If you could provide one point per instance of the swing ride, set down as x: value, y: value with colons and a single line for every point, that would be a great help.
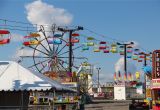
x: 4, y: 37
x: 51, y: 51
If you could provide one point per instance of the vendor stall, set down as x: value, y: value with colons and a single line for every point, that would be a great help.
x: 23, y: 88
x: 155, y: 83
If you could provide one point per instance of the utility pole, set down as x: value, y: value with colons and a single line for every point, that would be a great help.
x: 145, y: 64
x: 98, y: 89
x: 125, y: 55
x: 70, y: 43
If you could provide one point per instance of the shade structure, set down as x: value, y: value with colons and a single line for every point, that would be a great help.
x: 4, y: 32
x: 4, y: 36
x: 90, y: 38
x: 90, y: 43
x: 129, y: 51
x: 141, y: 56
x: 15, y: 77
x: 75, y: 35
x: 114, y: 50
x: 34, y: 35
x: 55, y: 41
x: 136, y: 51
x: 113, y: 45
x: 129, y: 56
x: 75, y: 40
x: 129, y: 46
x: 31, y: 42
x: 105, y: 51
x: 121, y: 46
x: 140, y: 60
x: 102, y: 47
x: 85, y: 48
x: 57, y: 35
x: 121, y: 52
x: 4, y: 41
x: 147, y: 70
x: 96, y: 50
x: 102, y: 42
x: 67, y: 44
x: 27, y: 37
x: 147, y: 58
x: 135, y: 57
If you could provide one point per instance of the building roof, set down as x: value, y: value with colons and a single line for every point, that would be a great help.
x: 15, y: 77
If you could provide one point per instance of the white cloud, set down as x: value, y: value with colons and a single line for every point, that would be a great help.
x: 42, y: 13
x: 106, y: 77
x: 135, y: 45
x: 119, y: 66
x: 22, y: 52
x: 16, y: 37
x: 39, y: 12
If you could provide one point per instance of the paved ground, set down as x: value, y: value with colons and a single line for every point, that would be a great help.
x: 107, y: 106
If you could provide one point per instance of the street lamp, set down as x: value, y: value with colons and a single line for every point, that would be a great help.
x: 98, y: 89
x: 145, y: 64
x: 125, y: 54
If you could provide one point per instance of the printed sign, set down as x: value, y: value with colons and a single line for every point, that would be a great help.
x: 70, y: 84
x: 148, y: 93
x: 155, y: 84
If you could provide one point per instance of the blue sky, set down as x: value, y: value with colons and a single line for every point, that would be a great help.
x: 126, y: 20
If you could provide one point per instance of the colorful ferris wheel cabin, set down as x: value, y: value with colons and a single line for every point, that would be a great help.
x: 90, y: 38
x: 4, y: 37
x: 57, y: 35
x: 75, y: 35
x: 34, y: 35
x: 90, y: 43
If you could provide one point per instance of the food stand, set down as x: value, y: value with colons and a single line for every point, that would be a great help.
x: 155, y: 82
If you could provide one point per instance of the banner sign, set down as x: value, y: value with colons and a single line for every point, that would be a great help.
x: 70, y: 84
x: 148, y: 93
x: 155, y: 84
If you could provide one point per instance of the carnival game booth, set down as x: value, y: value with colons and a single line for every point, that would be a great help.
x: 155, y: 82
x: 21, y: 88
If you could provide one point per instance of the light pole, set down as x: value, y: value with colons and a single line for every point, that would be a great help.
x: 98, y: 89
x: 145, y: 64
x: 125, y: 54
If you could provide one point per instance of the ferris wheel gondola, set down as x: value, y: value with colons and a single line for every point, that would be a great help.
x: 4, y: 37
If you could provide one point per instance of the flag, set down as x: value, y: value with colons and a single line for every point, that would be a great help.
x: 115, y: 78
x: 137, y: 75
x: 129, y: 77
x: 119, y: 75
x: 132, y: 77
x: 125, y: 76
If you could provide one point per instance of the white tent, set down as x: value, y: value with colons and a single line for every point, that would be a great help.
x: 15, y: 77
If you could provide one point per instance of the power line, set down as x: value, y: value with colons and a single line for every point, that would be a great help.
x: 104, y: 36
x: 30, y: 28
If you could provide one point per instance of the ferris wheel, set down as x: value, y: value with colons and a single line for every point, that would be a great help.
x: 51, y: 52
